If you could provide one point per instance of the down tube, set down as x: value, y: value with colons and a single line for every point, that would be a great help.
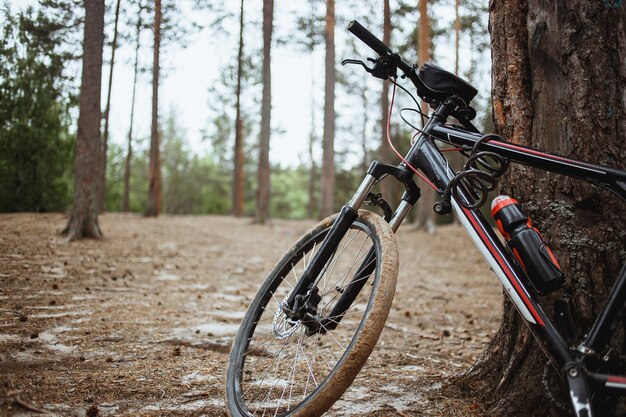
x: 494, y: 253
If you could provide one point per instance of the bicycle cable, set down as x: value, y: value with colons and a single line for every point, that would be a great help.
x: 419, y: 174
x: 480, y: 173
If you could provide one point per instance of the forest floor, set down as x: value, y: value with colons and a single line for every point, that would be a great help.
x: 140, y: 323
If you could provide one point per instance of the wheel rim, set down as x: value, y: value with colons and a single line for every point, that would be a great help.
x: 282, y: 367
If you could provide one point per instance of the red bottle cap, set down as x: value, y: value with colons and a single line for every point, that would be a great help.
x: 501, y: 201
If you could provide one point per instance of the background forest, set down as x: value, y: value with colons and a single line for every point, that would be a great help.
x: 40, y: 53
x: 243, y: 109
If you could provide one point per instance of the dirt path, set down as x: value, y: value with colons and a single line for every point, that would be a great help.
x: 140, y: 324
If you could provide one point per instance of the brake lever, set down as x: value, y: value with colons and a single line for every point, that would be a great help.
x: 384, y: 67
x: 359, y: 62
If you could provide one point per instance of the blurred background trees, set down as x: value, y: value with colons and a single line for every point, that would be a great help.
x: 36, y: 96
x: 40, y: 84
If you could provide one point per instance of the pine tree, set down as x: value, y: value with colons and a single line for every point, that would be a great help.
x: 554, y: 65
x: 35, y: 98
x: 105, y: 135
x: 238, y: 153
x: 129, y: 147
x: 153, y: 207
x: 263, y: 190
x: 327, y: 197
x: 83, y: 220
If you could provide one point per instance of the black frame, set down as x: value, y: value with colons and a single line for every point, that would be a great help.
x: 426, y: 156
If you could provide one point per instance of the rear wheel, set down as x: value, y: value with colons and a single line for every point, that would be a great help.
x: 279, y: 366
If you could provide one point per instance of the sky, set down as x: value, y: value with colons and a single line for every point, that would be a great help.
x: 189, y: 72
x: 184, y: 90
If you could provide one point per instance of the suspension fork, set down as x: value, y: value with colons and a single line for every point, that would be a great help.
x: 356, y: 284
x: 346, y: 217
x: 349, y: 212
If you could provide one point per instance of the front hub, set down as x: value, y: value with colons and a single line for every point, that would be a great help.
x: 304, y: 311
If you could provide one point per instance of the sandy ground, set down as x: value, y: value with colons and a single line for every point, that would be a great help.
x: 140, y: 324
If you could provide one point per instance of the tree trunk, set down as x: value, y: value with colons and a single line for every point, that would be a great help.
x: 263, y: 191
x: 154, y: 187
x: 558, y: 85
x: 327, y: 197
x: 129, y: 154
x: 385, y: 152
x: 457, y: 33
x: 83, y: 220
x: 311, y: 205
x: 455, y: 158
x: 238, y: 154
x: 426, y: 215
x: 105, y: 136
x: 365, y: 161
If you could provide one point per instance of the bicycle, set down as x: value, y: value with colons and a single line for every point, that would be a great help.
x: 319, y: 314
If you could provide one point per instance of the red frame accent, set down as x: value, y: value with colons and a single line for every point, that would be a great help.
x: 616, y: 379
x: 538, y: 153
x: 503, y: 265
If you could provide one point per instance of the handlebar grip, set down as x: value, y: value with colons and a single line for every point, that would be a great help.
x: 368, y: 38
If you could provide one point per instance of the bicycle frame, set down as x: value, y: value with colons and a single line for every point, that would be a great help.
x: 425, y: 155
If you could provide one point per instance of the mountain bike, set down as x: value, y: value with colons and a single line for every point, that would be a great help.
x: 319, y: 313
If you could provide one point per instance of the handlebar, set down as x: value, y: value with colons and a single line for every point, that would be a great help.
x: 368, y: 38
x: 383, y: 50
x: 388, y: 61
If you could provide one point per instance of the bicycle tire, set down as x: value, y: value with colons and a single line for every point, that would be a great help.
x: 245, y: 386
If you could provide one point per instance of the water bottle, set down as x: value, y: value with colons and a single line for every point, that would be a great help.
x: 527, y: 245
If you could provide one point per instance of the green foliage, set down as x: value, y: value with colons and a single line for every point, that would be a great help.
x: 36, y: 148
x: 289, y: 192
x: 191, y: 184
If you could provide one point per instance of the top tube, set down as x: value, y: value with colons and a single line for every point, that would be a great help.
x: 610, y: 178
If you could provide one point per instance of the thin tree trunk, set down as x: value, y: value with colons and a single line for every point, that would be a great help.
x: 313, y: 169
x: 83, y: 220
x: 327, y: 197
x: 238, y: 174
x: 385, y: 152
x: 426, y: 215
x: 558, y: 85
x: 154, y: 187
x: 457, y: 35
x: 105, y: 136
x: 129, y: 154
x: 263, y: 191
x: 455, y: 158
x: 312, y: 185
x: 364, y: 132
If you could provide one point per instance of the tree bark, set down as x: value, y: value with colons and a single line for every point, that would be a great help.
x: 312, y: 203
x: 457, y: 33
x: 238, y: 154
x: 105, y: 136
x: 129, y: 153
x: 559, y: 76
x: 426, y: 215
x: 154, y: 186
x: 83, y: 220
x: 455, y: 158
x: 263, y: 191
x: 327, y: 197
x: 385, y: 152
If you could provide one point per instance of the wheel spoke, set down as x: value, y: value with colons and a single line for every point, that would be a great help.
x: 279, y: 366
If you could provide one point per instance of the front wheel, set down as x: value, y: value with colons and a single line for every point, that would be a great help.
x: 280, y: 366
